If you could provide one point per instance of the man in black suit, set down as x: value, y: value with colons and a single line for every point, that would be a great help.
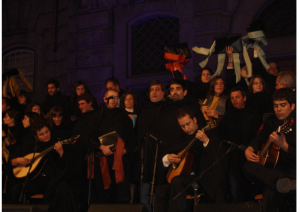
x: 206, y: 150
x: 278, y: 181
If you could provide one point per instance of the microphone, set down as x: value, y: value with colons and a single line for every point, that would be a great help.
x: 240, y: 147
x: 111, y: 97
x: 154, y: 138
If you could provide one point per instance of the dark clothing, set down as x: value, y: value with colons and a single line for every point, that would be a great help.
x: 114, y: 120
x: 212, y: 182
x: 146, y: 120
x: 231, y: 80
x: 170, y: 133
x: 201, y: 90
x: 55, y: 171
x: 85, y: 126
x: 62, y: 131
x: 261, y: 102
x: 58, y: 99
x: 239, y: 126
x: 286, y: 166
x: 270, y: 80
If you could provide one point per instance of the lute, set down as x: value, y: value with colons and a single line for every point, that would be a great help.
x: 270, y: 151
x: 185, y: 165
x: 38, y: 161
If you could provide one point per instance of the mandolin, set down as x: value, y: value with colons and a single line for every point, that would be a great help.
x: 38, y: 161
x: 185, y: 165
x: 270, y: 151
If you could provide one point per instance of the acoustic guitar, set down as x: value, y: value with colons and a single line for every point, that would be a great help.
x: 185, y: 165
x: 38, y: 161
x: 270, y: 151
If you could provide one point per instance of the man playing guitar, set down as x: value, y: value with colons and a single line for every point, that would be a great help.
x: 281, y: 179
x: 205, y: 155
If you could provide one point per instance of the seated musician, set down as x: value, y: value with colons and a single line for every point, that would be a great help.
x: 211, y: 183
x: 53, y: 179
x: 278, y: 181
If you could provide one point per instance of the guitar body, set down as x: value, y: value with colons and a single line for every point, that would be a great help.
x: 21, y: 171
x: 270, y: 158
x: 270, y: 151
x: 182, y: 168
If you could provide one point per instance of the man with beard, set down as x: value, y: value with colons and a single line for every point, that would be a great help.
x: 206, y: 150
x: 167, y: 129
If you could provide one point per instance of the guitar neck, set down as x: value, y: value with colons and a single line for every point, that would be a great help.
x: 188, y: 148
x: 46, y: 151
x: 43, y: 153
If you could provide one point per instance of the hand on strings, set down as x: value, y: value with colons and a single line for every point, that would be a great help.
x: 251, y: 156
x: 202, y: 136
x: 23, y: 161
x: 124, y: 151
x: 59, y: 149
x: 279, y: 140
x: 106, y: 149
x: 172, y: 158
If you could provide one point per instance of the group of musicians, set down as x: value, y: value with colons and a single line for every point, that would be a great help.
x: 220, y: 131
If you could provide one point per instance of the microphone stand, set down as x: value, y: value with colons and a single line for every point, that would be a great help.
x: 199, y: 177
x: 144, y: 151
x: 90, y: 155
x: 152, y: 200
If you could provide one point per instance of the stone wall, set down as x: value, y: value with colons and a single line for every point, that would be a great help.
x: 92, y: 37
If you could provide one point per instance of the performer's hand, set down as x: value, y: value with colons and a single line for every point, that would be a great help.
x: 279, y: 140
x: 204, y: 109
x: 172, y: 158
x: 251, y: 156
x: 202, y: 136
x: 59, y: 149
x: 23, y: 161
x: 200, y: 102
x: 124, y: 151
x: 106, y: 149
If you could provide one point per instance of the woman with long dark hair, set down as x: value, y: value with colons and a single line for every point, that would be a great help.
x: 215, y: 104
x: 203, y: 83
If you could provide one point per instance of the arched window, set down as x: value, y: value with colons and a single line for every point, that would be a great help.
x: 22, y: 59
x: 149, y: 36
x: 279, y: 18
